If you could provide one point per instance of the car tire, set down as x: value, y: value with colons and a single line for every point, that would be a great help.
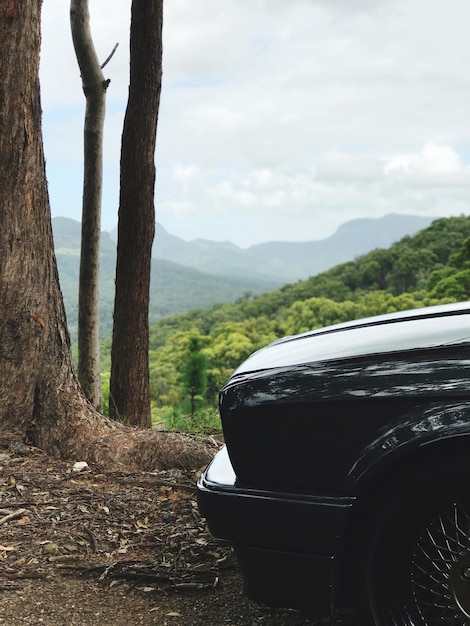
x: 416, y: 567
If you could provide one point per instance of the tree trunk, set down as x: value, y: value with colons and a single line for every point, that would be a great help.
x: 40, y: 398
x: 94, y: 88
x: 33, y: 333
x: 129, y: 397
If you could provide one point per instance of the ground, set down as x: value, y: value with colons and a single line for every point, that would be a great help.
x: 79, y: 547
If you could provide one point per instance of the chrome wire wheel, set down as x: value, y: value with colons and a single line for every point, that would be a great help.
x: 416, y: 565
x: 440, y: 567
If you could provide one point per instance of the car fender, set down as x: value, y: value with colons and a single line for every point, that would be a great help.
x: 419, y: 428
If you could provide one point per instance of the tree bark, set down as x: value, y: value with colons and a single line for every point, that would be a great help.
x: 94, y: 88
x: 129, y: 398
x: 32, y: 321
x: 40, y: 398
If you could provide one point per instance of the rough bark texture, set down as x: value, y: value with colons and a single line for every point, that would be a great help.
x: 40, y: 398
x: 94, y: 88
x: 32, y: 321
x: 129, y: 388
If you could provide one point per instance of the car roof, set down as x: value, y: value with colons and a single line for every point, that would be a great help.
x: 428, y: 327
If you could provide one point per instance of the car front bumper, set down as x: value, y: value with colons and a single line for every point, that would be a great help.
x: 286, y: 543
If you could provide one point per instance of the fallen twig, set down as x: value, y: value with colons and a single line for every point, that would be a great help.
x: 11, y: 516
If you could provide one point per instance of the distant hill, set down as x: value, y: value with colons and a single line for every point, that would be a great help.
x: 287, y: 261
x: 197, y: 274
x: 351, y: 240
x: 174, y: 288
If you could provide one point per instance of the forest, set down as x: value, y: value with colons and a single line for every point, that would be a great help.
x: 192, y: 354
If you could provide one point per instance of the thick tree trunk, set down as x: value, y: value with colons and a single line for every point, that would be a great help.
x: 40, y: 398
x: 33, y: 333
x: 94, y: 88
x: 129, y: 398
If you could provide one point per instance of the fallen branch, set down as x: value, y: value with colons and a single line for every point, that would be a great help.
x: 11, y: 516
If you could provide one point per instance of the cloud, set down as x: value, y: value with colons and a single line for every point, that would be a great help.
x: 279, y: 119
x: 433, y: 166
x: 352, y: 166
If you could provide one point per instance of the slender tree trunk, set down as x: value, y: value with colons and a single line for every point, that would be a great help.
x: 94, y: 88
x: 129, y: 387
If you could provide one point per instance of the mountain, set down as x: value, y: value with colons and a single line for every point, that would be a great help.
x: 199, y: 273
x: 351, y: 240
x: 211, y: 257
x: 287, y: 261
x: 173, y: 289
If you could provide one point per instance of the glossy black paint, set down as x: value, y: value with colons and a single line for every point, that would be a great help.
x: 329, y: 419
x: 311, y: 421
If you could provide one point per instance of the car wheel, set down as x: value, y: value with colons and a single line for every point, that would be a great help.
x: 417, y: 571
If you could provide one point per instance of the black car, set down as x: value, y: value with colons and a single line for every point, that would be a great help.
x: 345, y: 480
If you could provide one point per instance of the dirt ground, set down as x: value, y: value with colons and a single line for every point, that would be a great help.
x: 84, y: 548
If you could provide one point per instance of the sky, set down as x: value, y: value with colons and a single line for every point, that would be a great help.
x: 279, y: 119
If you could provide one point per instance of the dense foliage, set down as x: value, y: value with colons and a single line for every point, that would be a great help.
x: 429, y: 268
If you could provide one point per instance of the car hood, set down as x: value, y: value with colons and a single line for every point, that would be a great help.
x: 422, y: 329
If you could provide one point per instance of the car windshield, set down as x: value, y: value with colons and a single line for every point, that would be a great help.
x: 362, y: 340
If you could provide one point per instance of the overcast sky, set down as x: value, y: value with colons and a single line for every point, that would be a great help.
x: 279, y: 119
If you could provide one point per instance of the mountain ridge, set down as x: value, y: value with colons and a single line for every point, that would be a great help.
x: 201, y: 273
x: 286, y: 260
